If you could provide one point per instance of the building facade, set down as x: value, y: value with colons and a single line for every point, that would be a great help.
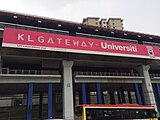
x: 113, y: 23
x: 93, y: 21
x: 49, y: 66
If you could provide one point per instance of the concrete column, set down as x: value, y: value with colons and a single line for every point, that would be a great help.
x: 68, y: 108
x: 149, y: 98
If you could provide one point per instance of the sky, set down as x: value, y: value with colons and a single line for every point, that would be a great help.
x: 138, y: 15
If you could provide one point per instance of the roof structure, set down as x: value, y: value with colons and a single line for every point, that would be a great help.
x: 44, y: 22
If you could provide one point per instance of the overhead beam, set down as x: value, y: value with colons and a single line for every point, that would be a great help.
x: 108, y: 79
x: 17, y: 78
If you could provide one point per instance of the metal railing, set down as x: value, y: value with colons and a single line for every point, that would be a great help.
x: 54, y: 72
x: 106, y: 73
x: 111, y: 74
x: 154, y: 75
x: 29, y: 72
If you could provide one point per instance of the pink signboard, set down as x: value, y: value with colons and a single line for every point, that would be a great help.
x: 18, y: 38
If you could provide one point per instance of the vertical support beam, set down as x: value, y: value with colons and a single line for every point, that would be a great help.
x: 148, y: 94
x: 88, y: 96
x: 102, y: 96
x: 112, y: 98
x: 29, y: 101
x: 40, y: 105
x: 137, y: 93
x: 119, y: 97
x: 129, y: 96
x: 158, y: 89
x: 1, y: 62
x: 50, y: 101
x: 84, y: 95
x: 123, y: 97
x: 155, y: 89
x: 54, y: 103
x: 68, y: 109
x: 99, y: 94
x: 80, y: 97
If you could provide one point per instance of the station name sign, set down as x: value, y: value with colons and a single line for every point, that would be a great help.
x: 27, y: 39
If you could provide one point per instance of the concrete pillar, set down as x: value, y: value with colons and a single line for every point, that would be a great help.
x: 68, y: 108
x: 149, y: 98
x: 29, y: 101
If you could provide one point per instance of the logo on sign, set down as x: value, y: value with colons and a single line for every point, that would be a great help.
x: 150, y: 51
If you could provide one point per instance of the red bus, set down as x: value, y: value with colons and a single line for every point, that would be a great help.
x: 115, y: 112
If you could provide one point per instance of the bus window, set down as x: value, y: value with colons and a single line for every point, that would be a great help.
x: 124, y: 114
x: 151, y: 113
x: 142, y: 114
x: 137, y: 114
x: 102, y: 114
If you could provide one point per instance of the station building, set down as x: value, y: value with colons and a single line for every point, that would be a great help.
x: 49, y: 66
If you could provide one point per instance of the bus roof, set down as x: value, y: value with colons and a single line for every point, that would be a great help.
x: 127, y: 106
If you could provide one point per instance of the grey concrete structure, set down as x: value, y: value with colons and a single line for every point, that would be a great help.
x: 148, y: 93
x: 75, y: 77
x: 68, y: 109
